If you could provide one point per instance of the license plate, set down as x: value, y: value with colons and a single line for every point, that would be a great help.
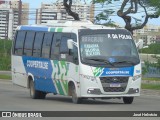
x: 115, y: 85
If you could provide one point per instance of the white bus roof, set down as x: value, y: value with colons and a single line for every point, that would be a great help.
x: 64, y: 24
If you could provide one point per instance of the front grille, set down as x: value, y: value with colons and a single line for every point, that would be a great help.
x: 114, y: 84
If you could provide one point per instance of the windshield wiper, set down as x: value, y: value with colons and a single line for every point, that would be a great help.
x: 100, y: 60
x: 129, y: 62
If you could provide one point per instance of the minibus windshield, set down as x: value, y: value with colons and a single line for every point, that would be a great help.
x: 113, y: 49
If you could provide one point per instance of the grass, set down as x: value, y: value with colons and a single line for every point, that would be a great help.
x: 152, y: 79
x: 6, y: 77
x: 151, y: 86
x: 5, y: 54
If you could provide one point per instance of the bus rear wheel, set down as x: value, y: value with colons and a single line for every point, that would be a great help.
x: 75, y: 99
x: 128, y: 100
x: 35, y: 94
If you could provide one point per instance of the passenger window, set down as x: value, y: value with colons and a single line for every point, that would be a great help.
x: 29, y: 43
x: 56, y: 46
x: 47, y: 45
x: 38, y: 44
x: 19, y: 42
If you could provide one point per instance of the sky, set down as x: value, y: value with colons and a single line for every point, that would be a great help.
x: 37, y: 3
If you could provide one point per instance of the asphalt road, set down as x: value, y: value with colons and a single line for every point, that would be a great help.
x: 15, y: 98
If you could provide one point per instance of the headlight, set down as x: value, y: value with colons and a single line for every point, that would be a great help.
x: 136, y: 77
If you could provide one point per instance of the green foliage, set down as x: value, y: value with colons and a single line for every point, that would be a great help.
x: 149, y: 4
x: 151, y: 86
x: 152, y: 49
x: 146, y: 67
x: 151, y: 79
x: 5, y: 54
x: 102, y: 1
x: 155, y: 3
x: 104, y: 15
x: 144, y: 70
x: 110, y: 24
x: 7, y: 77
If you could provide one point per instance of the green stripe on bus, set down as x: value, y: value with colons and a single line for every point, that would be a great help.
x: 60, y: 89
x: 64, y: 66
x: 59, y: 29
x: 52, y: 29
x: 56, y: 65
x: 64, y: 83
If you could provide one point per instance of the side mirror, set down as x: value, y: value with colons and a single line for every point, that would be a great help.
x: 70, y: 44
x: 139, y: 44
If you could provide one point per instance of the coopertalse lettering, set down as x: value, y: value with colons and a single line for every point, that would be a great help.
x: 117, y: 72
x: 37, y: 64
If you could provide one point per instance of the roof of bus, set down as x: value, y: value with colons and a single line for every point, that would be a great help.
x: 58, y: 26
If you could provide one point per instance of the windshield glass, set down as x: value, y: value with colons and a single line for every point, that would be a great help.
x: 111, y: 49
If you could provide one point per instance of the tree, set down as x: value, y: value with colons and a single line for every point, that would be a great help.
x: 152, y: 49
x: 68, y: 9
x: 129, y: 7
x: 134, y: 4
x: 101, y: 16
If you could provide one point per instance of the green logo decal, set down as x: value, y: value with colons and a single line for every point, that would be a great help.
x: 97, y: 71
x: 60, y: 71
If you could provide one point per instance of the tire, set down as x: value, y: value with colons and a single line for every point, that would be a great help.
x: 128, y: 100
x: 75, y: 99
x: 35, y: 94
x: 42, y: 95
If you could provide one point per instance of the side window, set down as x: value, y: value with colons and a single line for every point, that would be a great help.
x: 19, y: 42
x: 38, y: 44
x: 73, y: 54
x: 55, y: 49
x: 74, y: 37
x: 63, y: 46
x: 28, y: 45
x: 74, y: 51
x: 63, y: 43
x: 47, y: 45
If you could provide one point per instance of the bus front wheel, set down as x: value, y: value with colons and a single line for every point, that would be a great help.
x: 128, y: 100
x: 35, y: 94
x: 75, y: 99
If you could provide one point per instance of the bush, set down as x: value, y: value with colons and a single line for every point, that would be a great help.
x: 152, y: 49
x: 5, y: 54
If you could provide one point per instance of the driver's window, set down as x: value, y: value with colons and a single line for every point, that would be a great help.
x: 73, y: 54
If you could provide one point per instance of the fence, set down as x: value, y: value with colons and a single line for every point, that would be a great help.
x: 150, y: 70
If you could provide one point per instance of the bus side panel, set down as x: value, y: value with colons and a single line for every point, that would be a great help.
x: 41, y: 69
x: 19, y: 76
x: 63, y: 72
